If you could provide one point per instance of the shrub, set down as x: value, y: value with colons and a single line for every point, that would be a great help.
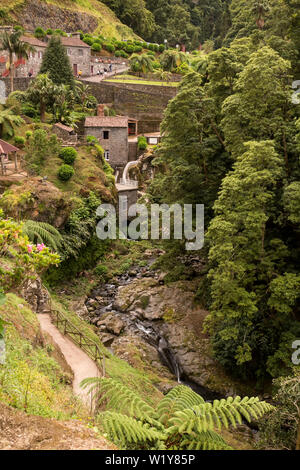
x: 28, y: 135
x: 122, y: 54
x: 88, y: 40
x: 39, y: 32
x: 68, y: 155
x: 129, y: 49
x: 59, y: 32
x: 142, y: 143
x: 91, y: 140
x: 29, y: 110
x: 20, y: 141
x: 65, y: 172
x: 161, y: 48
x: 109, y: 47
x: 49, y: 31
x: 96, y: 47
x: 100, y: 150
x: 100, y: 270
x: 137, y: 49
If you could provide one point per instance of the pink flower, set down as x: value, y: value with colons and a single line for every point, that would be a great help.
x: 40, y: 246
x: 29, y: 248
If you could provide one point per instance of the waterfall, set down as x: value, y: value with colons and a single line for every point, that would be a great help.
x: 169, y: 359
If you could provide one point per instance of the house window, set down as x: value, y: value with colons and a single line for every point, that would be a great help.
x: 69, y: 51
x: 105, y: 135
x: 106, y: 155
x: 80, y: 52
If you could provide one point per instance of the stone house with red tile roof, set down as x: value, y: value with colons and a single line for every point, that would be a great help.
x: 78, y: 52
x: 112, y: 134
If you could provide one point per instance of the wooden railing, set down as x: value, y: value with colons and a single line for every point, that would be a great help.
x: 89, y: 346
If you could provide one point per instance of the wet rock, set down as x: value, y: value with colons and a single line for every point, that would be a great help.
x: 107, y: 339
x: 113, y: 324
x: 36, y: 295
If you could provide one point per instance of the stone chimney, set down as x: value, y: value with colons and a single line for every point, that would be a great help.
x: 100, y: 110
x: 75, y: 35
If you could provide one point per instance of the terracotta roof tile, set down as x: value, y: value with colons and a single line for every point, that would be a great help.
x: 33, y: 41
x: 73, y: 42
x: 106, y: 121
x: 63, y: 127
x: 8, y: 148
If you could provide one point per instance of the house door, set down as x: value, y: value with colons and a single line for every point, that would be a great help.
x: 75, y: 69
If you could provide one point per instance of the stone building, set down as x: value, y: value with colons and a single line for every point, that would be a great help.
x: 112, y: 133
x: 78, y: 52
x: 65, y: 133
x: 25, y: 68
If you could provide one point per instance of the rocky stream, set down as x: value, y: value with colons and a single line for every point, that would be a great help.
x: 162, y: 322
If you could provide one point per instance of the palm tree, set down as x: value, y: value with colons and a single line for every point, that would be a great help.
x: 12, y: 43
x: 172, y: 59
x: 141, y: 63
x: 42, y: 92
x: 8, y: 120
x: 163, y: 75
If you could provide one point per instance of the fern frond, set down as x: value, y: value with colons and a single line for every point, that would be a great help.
x: 41, y: 232
x: 225, y: 412
x: 209, y: 440
x: 179, y: 398
x: 120, y: 398
x: 126, y: 430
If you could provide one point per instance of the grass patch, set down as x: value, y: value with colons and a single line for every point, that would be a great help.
x: 30, y: 379
x: 108, y: 23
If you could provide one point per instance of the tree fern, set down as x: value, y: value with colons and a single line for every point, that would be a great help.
x: 120, y: 398
x: 179, y: 398
x: 41, y: 232
x: 182, y: 421
x: 125, y: 431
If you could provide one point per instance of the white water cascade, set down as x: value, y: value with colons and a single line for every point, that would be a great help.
x: 125, y: 179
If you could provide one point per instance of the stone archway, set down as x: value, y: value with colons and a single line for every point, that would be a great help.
x: 2, y: 92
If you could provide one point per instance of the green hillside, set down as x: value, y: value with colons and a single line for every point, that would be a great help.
x: 86, y: 15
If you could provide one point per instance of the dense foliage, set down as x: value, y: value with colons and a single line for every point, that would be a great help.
x: 231, y: 141
x: 182, y: 420
x: 56, y: 63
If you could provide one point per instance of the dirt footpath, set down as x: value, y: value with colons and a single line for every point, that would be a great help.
x: 82, y: 366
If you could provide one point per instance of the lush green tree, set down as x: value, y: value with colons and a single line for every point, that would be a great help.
x: 171, y: 59
x: 42, y: 92
x: 141, y: 63
x: 135, y: 15
x: 261, y: 107
x: 56, y: 63
x: 13, y: 44
x: 280, y: 430
x: 192, y: 153
x: 246, y: 258
x: 38, y: 148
